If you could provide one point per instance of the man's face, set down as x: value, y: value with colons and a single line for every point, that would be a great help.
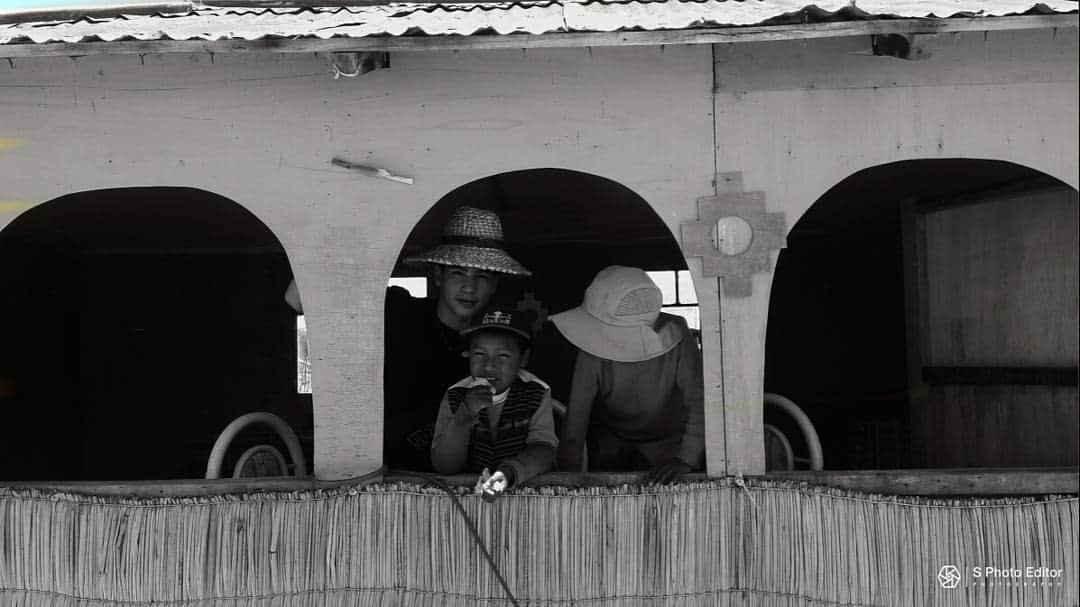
x: 496, y: 356
x: 465, y: 291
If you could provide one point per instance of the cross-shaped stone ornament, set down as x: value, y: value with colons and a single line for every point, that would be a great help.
x: 734, y: 236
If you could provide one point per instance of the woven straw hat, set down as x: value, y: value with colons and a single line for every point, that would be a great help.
x: 617, y: 319
x: 472, y: 238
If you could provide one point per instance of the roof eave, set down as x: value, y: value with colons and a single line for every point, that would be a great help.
x: 713, y: 35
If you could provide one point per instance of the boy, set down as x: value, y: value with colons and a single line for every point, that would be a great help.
x: 500, y: 417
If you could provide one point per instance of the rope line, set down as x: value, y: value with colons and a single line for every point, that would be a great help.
x: 471, y: 525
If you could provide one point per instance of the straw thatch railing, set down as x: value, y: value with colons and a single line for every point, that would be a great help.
x: 719, y: 542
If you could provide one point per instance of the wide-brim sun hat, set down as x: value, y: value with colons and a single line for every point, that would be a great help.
x: 473, y: 238
x: 617, y: 319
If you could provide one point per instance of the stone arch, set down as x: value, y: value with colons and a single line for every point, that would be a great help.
x: 540, y: 221
x: 844, y: 308
x: 141, y: 321
x: 1020, y: 160
x: 563, y: 224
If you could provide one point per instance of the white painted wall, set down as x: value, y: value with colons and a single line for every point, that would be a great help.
x: 261, y: 129
x: 795, y: 118
x: 798, y: 117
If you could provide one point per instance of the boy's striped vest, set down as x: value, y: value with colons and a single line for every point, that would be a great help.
x: 487, y: 451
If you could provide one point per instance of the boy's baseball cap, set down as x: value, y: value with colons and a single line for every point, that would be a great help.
x: 504, y: 318
x: 618, y: 319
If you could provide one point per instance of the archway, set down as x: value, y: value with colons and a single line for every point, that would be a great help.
x: 138, y: 323
x: 564, y: 226
x: 862, y: 335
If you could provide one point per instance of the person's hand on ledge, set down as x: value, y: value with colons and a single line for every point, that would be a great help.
x: 667, y: 472
x: 492, y: 485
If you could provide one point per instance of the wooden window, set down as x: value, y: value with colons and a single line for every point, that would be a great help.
x: 303, y: 357
x: 680, y: 299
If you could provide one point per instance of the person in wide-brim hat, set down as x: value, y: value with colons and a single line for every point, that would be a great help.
x: 636, y: 395
x: 618, y: 319
x: 473, y: 238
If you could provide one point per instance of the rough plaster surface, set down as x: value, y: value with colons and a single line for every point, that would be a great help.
x: 794, y: 117
x: 262, y: 129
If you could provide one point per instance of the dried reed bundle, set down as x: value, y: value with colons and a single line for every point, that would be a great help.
x: 708, y: 543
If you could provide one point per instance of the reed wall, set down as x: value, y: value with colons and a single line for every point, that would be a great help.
x: 710, y: 543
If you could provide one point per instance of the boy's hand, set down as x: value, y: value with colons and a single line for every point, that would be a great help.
x: 477, y: 398
x: 494, y: 485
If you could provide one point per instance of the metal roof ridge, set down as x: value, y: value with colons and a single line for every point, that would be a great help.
x: 691, y: 21
x: 74, y: 14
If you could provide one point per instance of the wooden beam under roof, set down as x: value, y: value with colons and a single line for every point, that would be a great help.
x: 804, y: 31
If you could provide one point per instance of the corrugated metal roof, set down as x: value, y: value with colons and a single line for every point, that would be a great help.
x: 527, y: 17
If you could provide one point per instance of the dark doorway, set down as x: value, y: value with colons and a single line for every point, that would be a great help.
x: 845, y: 330
x: 137, y: 323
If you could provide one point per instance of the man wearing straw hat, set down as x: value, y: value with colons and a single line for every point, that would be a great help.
x: 637, y: 391
x: 424, y: 346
